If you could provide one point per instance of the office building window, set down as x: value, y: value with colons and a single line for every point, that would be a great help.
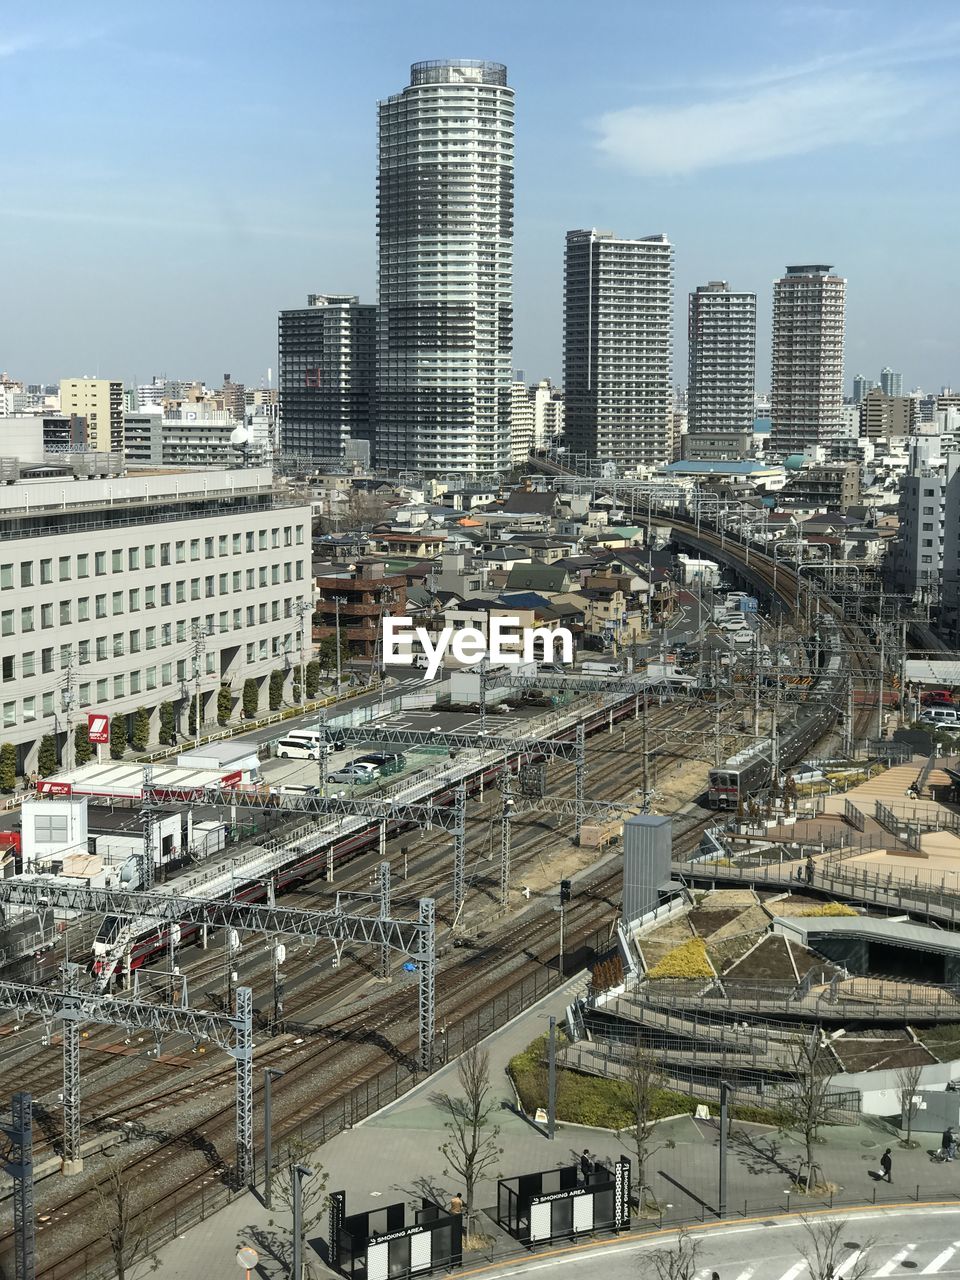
x: 83, y: 566
x: 133, y: 558
x: 237, y: 619
x: 181, y: 592
x: 151, y: 637
x: 101, y: 606
x: 46, y: 703
x: 134, y: 681
x: 223, y: 544
x: 164, y: 553
x: 299, y: 535
x: 263, y: 575
x: 83, y: 652
x: 118, y: 646
x: 118, y: 686
x: 46, y: 615
x: 236, y: 543
x: 99, y: 563
x: 151, y: 677
x: 102, y: 690
x: 135, y: 600
x: 63, y: 568
x: 134, y: 641
x: 85, y: 693
x: 29, y: 709
x: 46, y: 661
x: 165, y: 593
x: 26, y: 574
x: 6, y: 668
x: 46, y: 572
x: 149, y: 597
x: 66, y: 656
x: 149, y: 557
x: 194, y: 548
x: 287, y: 536
x: 101, y: 648
x: 166, y: 634
x: 210, y: 586
x: 166, y: 673
x: 28, y: 664
x: 208, y: 548
x: 117, y: 602
x: 181, y: 550
x: 237, y: 581
x: 26, y: 618
x: 274, y: 538
x: 194, y: 588
x: 83, y: 609
x: 10, y: 715
x: 64, y: 613
x: 116, y: 558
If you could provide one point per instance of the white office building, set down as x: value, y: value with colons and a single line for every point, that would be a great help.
x: 135, y: 591
x: 722, y: 347
x: 445, y: 227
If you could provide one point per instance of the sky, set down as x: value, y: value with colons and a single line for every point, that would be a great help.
x: 174, y: 175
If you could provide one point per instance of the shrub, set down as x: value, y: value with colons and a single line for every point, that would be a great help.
x: 141, y: 729
x: 689, y: 960
x: 312, y: 677
x: 826, y: 909
x: 83, y: 748
x: 168, y: 722
x: 47, y: 755
x: 224, y: 704
x: 118, y: 737
x: 251, y: 698
x: 275, y: 689
x: 8, y: 767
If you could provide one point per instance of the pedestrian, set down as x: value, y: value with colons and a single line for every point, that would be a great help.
x: 949, y: 1143
x: 586, y: 1164
x: 456, y: 1203
x: 809, y: 871
x: 886, y: 1164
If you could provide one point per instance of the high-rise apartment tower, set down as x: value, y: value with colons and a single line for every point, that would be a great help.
x: 807, y: 377
x: 722, y: 333
x: 618, y: 346
x: 445, y: 225
x: 327, y: 364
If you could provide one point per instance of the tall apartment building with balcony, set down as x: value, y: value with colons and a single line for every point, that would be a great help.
x: 617, y: 348
x: 807, y: 375
x: 103, y: 584
x: 722, y: 347
x: 445, y: 233
x: 327, y: 374
x: 100, y: 401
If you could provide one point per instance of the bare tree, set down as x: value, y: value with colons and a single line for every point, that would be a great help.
x: 825, y: 1250
x: 678, y: 1263
x: 471, y: 1149
x: 313, y: 1200
x: 908, y: 1082
x: 806, y: 1106
x: 644, y: 1080
x: 127, y: 1231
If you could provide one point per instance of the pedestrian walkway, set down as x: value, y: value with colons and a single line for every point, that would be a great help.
x: 394, y: 1156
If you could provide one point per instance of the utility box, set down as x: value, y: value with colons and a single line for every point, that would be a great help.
x: 647, y: 853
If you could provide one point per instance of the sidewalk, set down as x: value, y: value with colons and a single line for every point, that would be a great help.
x: 390, y: 1156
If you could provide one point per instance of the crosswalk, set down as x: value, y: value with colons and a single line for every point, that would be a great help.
x: 881, y: 1262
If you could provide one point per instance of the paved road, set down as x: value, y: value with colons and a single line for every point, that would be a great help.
x: 887, y: 1243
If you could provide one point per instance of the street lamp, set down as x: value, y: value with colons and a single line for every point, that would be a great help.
x: 298, y: 1173
x: 270, y: 1074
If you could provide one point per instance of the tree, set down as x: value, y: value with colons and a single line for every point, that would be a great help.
x: 168, y: 722
x: 680, y: 1262
x: 275, y: 689
x: 808, y: 1086
x: 312, y: 677
x: 327, y: 652
x: 141, y: 729
x: 908, y: 1082
x: 118, y: 737
x: 825, y: 1251
x: 82, y: 746
x: 224, y: 704
x: 471, y: 1149
x: 644, y: 1080
x: 47, y: 755
x: 127, y: 1231
x: 192, y: 717
x: 8, y: 767
x: 251, y: 698
x: 313, y: 1199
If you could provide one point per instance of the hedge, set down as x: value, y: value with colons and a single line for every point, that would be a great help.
x: 827, y: 909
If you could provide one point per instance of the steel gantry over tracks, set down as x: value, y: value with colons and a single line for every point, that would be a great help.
x: 232, y: 1033
x: 414, y: 938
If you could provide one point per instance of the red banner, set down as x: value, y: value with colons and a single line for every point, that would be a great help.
x: 55, y: 788
x: 98, y: 727
x: 231, y: 779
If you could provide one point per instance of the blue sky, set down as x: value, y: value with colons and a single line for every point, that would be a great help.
x: 175, y: 174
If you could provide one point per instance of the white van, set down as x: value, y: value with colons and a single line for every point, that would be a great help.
x: 940, y: 717
x: 313, y: 738
x: 296, y: 749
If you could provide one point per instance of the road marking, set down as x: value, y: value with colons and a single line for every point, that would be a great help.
x: 745, y: 1275
x: 940, y: 1260
x: 795, y: 1270
x: 847, y: 1263
x: 889, y: 1267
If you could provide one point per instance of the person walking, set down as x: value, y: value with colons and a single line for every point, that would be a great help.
x: 949, y: 1143
x: 586, y: 1164
x: 886, y: 1165
x: 456, y: 1203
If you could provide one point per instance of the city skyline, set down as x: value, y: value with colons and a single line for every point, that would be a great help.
x: 596, y: 146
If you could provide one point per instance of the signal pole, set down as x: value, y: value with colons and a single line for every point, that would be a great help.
x: 302, y: 608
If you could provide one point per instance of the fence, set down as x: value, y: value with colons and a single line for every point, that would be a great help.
x: 854, y: 816
x: 189, y: 1205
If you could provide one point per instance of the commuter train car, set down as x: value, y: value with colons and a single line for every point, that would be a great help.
x: 750, y: 770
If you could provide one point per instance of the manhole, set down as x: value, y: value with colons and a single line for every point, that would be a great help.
x: 912, y: 1266
x: 868, y: 1142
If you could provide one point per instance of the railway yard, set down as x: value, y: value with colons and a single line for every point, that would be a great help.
x: 342, y: 1018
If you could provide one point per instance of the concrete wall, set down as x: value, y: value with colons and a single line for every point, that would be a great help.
x: 647, y: 849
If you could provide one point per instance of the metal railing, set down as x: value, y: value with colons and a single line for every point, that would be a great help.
x: 854, y: 816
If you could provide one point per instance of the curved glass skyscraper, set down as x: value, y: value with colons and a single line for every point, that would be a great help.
x: 445, y: 224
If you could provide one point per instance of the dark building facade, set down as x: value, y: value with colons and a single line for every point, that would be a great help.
x: 327, y: 375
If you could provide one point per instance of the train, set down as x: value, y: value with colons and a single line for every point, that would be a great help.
x: 145, y: 939
x: 750, y: 770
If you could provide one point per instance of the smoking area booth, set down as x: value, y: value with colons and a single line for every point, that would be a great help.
x: 560, y: 1203
x: 381, y: 1245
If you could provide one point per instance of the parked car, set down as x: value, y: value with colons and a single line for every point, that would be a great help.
x: 297, y: 749
x: 936, y: 697
x: 385, y: 763
x: 314, y: 738
x: 356, y: 772
x: 940, y: 717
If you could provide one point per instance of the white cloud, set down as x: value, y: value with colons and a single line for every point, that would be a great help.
x: 862, y: 99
